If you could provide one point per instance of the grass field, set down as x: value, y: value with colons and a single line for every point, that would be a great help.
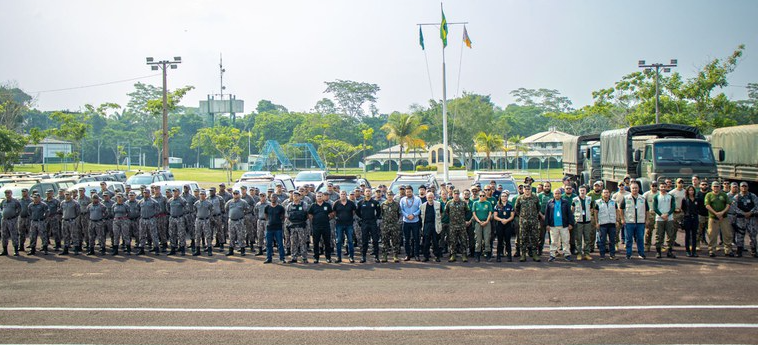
x: 205, y: 175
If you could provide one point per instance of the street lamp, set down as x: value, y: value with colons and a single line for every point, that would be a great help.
x: 155, y: 65
x: 666, y: 68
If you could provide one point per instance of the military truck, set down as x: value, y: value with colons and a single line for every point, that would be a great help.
x: 736, y: 148
x: 654, y: 153
x: 581, y: 159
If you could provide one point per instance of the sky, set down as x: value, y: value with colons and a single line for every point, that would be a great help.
x: 285, y: 50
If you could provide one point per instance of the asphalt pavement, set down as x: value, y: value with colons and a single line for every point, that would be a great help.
x: 239, y: 300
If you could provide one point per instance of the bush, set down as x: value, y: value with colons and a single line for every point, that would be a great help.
x: 426, y: 168
x: 457, y: 168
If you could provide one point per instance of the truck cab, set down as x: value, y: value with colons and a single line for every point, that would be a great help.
x: 674, y: 158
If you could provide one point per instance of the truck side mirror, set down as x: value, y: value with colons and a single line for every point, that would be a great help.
x: 636, y: 157
x: 721, y: 155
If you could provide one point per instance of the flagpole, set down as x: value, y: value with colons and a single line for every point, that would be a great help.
x: 445, y: 126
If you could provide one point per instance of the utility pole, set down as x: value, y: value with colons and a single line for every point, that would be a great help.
x: 657, y: 66
x: 444, y: 24
x: 155, y: 65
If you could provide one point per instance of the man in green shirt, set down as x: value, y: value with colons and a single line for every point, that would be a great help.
x: 483, y: 212
x: 594, y: 195
x: 718, y: 204
x: 543, y: 199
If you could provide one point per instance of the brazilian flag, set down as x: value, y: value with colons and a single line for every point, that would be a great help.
x: 444, y: 30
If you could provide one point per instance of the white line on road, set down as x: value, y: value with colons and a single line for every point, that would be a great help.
x: 379, y: 310
x: 383, y: 328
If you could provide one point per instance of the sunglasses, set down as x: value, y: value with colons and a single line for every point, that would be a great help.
x: 482, y: 195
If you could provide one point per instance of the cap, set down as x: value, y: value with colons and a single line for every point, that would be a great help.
x: 203, y: 191
x: 142, y: 186
x: 118, y: 195
x: 213, y: 189
x: 403, y: 186
x: 66, y: 193
x: 654, y: 184
x: 127, y: 186
x: 296, y: 193
x: 329, y: 184
x: 186, y: 186
x: 235, y: 191
x: 270, y: 190
x: 390, y: 192
x: 35, y: 195
x: 456, y: 191
x: 243, y: 187
x: 96, y: 197
x: 26, y: 190
x: 734, y: 184
x: 177, y: 189
x: 222, y: 185
x: 744, y: 184
x: 527, y: 178
x: 565, y: 178
x: 679, y: 179
x: 715, y: 183
x: 132, y: 193
x: 49, y: 191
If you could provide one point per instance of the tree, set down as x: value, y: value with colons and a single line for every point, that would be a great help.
x: 266, y: 106
x: 11, y: 146
x: 73, y: 127
x: 517, y: 147
x: 337, y: 150
x: 488, y: 143
x: 404, y: 129
x: 325, y: 106
x: 223, y: 141
x: 14, y: 103
x: 158, y: 140
x: 367, y: 134
x: 352, y: 95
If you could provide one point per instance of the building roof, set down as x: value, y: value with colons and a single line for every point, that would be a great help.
x: 550, y: 136
x: 393, y: 151
x: 51, y: 141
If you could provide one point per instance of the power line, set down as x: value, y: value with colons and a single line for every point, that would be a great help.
x: 96, y: 85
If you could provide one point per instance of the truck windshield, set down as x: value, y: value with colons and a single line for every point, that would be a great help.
x: 595, y: 155
x: 683, y: 153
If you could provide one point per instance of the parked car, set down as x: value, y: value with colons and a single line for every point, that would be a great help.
x: 113, y: 186
x: 414, y: 180
x: 265, y: 182
x: 315, y: 177
x: 144, y: 179
x: 164, y: 185
x: 15, y: 188
x: 254, y: 174
x: 41, y: 186
x: 345, y: 182
x: 118, y: 175
x: 503, y: 178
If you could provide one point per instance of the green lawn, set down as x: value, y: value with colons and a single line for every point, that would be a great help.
x: 208, y: 176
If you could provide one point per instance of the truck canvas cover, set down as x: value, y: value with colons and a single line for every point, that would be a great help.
x: 572, y: 155
x: 739, y: 143
x: 617, y: 144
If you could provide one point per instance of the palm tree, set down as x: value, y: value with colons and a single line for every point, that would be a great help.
x: 404, y: 129
x: 487, y: 143
x: 516, y: 142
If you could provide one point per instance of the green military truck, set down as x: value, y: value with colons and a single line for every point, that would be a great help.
x: 736, y: 148
x: 581, y: 159
x: 655, y: 153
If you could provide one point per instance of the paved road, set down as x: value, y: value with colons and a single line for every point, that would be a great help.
x: 219, y: 300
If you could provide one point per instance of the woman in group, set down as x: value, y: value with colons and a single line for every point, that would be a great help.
x: 690, y: 221
x: 504, y: 216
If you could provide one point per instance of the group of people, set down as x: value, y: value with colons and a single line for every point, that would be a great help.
x: 428, y: 224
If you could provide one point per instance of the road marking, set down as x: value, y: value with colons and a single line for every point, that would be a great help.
x: 383, y: 328
x: 378, y: 310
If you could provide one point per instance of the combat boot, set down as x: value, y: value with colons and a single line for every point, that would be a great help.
x: 395, y: 259
x: 32, y: 250
x: 15, y: 251
x: 508, y: 257
x: 192, y: 246
x: 173, y: 251
x: 196, y: 251
x: 384, y: 257
x: 488, y: 256
x: 128, y: 249
x: 363, y: 259
x: 464, y: 258
x: 57, y: 246
x: 44, y: 250
x: 242, y: 251
x: 536, y: 257
x: 91, y: 250
x: 77, y: 249
x: 209, y: 250
x: 740, y: 252
x: 115, y: 250
x: 517, y: 253
x: 658, y: 253
x: 498, y: 257
x: 477, y: 256
x: 670, y: 254
x: 65, y: 251
x: 102, y: 250
x: 164, y: 248
x: 157, y: 250
x: 231, y: 251
x: 141, y: 251
x: 181, y: 251
x: 5, y: 251
x: 452, y: 258
x: 221, y: 247
x: 21, y: 246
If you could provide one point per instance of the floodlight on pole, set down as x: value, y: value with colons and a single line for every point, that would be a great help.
x: 666, y: 68
x: 155, y: 65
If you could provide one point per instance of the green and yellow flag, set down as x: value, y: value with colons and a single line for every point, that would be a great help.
x: 421, y: 37
x: 444, y: 29
x: 467, y: 41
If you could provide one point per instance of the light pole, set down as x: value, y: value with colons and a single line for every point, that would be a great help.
x: 657, y: 67
x: 155, y: 65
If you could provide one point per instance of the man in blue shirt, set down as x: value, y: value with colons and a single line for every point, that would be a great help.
x: 559, y: 220
x: 410, y: 210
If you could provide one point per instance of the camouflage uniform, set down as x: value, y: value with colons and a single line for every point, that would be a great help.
x: 189, y: 215
x: 217, y: 219
x: 250, y: 221
x: 23, y: 221
x: 148, y: 213
x: 235, y: 210
x: 390, y: 228
x: 161, y: 220
x: 177, y: 228
x: 650, y: 218
x: 296, y: 214
x: 108, y: 221
x: 203, y: 213
x: 457, y: 212
x: 121, y: 226
x: 221, y: 236
x: 260, y: 224
x: 69, y: 227
x: 84, y: 219
x: 134, y: 220
x: 53, y: 221
x: 745, y: 203
x: 97, y: 213
x: 37, y: 226
x: 528, y: 209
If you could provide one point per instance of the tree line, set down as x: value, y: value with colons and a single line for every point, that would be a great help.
x: 347, y: 126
